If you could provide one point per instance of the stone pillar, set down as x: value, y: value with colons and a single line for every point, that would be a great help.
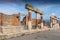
x: 29, y: 20
x: 41, y: 21
x: 0, y: 19
x: 55, y: 23
x: 26, y: 20
x: 36, y: 21
x: 51, y: 22
x: 58, y: 23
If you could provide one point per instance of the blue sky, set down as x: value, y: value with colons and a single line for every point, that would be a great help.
x: 50, y: 7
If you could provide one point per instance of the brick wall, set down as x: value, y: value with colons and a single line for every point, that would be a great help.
x: 9, y: 19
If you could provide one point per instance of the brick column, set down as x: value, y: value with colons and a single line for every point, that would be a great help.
x: 36, y: 21
x: 29, y: 20
x: 41, y: 21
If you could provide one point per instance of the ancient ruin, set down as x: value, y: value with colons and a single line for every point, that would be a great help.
x: 30, y: 9
x: 13, y: 20
x: 54, y: 22
x: 12, y: 23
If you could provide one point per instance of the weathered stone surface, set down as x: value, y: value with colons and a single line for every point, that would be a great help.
x: 1, y: 19
x: 11, y: 29
x: 54, y: 22
x: 9, y: 19
x: 29, y: 7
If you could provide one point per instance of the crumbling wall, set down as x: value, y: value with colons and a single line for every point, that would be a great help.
x: 1, y: 19
x: 16, y: 20
x: 13, y: 20
x: 7, y: 20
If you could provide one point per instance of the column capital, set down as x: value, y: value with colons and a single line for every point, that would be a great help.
x: 29, y: 10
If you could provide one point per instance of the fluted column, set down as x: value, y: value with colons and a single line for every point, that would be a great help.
x: 41, y: 21
x: 29, y: 20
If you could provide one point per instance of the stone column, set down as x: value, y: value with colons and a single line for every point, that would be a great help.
x: 36, y: 21
x: 51, y: 22
x: 58, y: 23
x: 26, y: 21
x: 42, y: 21
x: 29, y: 20
x: 55, y: 22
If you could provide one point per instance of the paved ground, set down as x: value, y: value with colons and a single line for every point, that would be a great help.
x: 46, y: 35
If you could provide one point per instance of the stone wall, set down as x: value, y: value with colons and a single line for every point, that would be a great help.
x: 13, y: 19
x: 34, y: 21
x: 7, y: 20
x: 11, y: 29
x: 0, y: 19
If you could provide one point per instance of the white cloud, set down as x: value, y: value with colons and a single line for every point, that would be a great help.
x: 9, y: 8
x: 53, y: 14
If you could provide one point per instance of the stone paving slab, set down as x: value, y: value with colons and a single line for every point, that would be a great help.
x: 46, y: 35
x: 23, y: 32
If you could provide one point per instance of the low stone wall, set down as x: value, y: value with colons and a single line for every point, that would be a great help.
x: 15, y: 31
x: 11, y: 29
x: 18, y: 29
